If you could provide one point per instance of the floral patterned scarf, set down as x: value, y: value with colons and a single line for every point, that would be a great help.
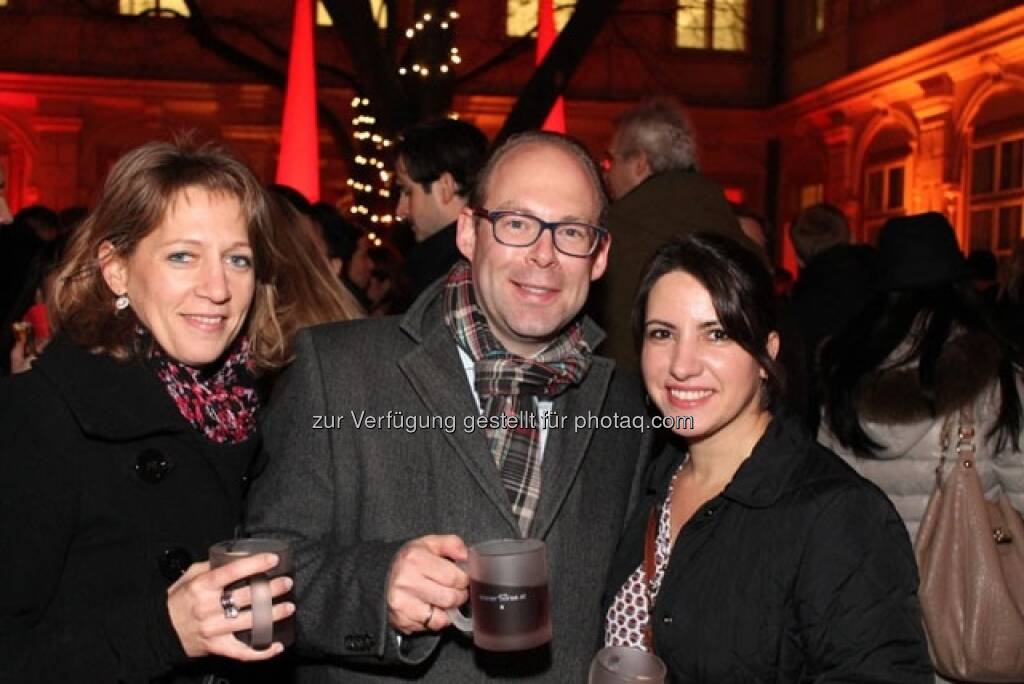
x: 222, y: 405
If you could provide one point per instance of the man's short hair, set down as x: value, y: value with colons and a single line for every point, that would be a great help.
x: 817, y: 228
x: 660, y: 129
x: 563, y: 142
x: 432, y: 148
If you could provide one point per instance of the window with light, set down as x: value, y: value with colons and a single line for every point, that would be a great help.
x: 811, y: 194
x: 377, y: 7
x: 996, y: 193
x: 167, y: 8
x: 883, y: 196
x: 812, y: 19
x: 521, y: 16
x: 712, y: 25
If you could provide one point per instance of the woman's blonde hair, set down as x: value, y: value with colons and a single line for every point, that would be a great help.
x: 134, y: 201
x: 306, y: 291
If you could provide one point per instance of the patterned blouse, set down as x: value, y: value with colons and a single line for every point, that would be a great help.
x: 629, y: 613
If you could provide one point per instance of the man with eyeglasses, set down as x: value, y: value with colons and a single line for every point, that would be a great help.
x: 381, y: 515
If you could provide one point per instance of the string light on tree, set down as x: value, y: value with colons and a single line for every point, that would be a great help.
x: 430, y: 29
x: 370, y: 178
x: 430, y: 62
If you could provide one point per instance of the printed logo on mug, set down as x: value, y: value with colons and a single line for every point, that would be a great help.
x: 264, y: 630
x: 509, y: 596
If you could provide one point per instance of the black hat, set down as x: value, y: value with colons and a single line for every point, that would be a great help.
x: 919, y: 252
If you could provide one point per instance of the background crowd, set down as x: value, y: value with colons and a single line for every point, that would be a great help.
x: 169, y: 343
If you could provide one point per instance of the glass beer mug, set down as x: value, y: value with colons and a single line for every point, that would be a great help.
x: 508, y: 593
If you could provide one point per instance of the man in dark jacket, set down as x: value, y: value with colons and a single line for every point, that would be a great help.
x: 437, y: 166
x: 380, y: 477
x: 836, y: 281
x: 652, y: 174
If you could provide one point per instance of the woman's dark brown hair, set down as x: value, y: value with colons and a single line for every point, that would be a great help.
x: 740, y: 288
x: 135, y: 199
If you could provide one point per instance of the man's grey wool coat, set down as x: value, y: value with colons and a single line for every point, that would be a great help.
x: 350, y: 497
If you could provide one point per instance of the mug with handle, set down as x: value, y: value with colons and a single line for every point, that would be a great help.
x: 624, y: 665
x: 509, y: 595
x: 264, y: 630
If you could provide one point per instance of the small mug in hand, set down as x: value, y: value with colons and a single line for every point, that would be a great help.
x: 264, y: 630
x: 508, y: 594
x: 624, y: 665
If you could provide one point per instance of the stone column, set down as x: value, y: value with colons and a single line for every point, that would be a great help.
x: 56, y: 171
x: 934, y: 163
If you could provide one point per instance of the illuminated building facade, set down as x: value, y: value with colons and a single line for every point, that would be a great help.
x: 881, y: 107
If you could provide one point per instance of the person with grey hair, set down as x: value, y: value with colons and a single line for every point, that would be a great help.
x: 381, y: 473
x: 652, y: 173
x: 817, y: 229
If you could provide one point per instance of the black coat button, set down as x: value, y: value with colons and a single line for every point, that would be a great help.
x: 152, y: 466
x: 174, y: 561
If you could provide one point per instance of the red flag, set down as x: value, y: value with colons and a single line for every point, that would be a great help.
x: 299, y: 164
x: 546, y: 34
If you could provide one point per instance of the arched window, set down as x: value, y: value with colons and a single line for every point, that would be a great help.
x: 886, y: 178
x: 995, y: 182
x: 712, y: 24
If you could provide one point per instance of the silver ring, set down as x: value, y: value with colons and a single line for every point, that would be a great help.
x: 426, y: 620
x: 228, y: 604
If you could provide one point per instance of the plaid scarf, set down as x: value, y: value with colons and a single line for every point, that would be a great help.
x: 508, y: 386
x: 221, y: 406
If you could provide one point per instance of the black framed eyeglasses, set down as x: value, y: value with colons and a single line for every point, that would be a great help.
x: 519, y: 229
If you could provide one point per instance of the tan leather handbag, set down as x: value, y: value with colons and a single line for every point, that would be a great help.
x: 970, y: 552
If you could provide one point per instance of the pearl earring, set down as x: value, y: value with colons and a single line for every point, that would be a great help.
x: 121, y: 303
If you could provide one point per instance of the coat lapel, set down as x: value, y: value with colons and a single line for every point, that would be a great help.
x: 436, y: 375
x: 566, y: 447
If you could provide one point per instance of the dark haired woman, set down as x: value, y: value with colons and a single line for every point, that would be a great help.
x: 128, y: 445
x: 922, y: 349
x: 759, y: 555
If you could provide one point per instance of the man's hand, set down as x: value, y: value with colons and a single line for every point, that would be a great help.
x: 424, y: 582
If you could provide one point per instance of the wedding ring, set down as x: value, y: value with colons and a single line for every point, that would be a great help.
x: 228, y: 604
x: 426, y: 620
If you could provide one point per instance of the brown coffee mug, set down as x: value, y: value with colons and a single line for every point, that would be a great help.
x: 508, y: 593
x: 264, y: 630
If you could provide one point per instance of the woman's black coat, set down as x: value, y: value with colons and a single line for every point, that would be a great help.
x: 800, y: 571
x: 106, y: 496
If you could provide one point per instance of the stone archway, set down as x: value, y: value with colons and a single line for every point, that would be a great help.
x: 990, y: 163
x: 18, y: 154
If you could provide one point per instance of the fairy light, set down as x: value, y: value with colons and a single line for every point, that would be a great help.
x: 430, y: 21
x: 370, y: 176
